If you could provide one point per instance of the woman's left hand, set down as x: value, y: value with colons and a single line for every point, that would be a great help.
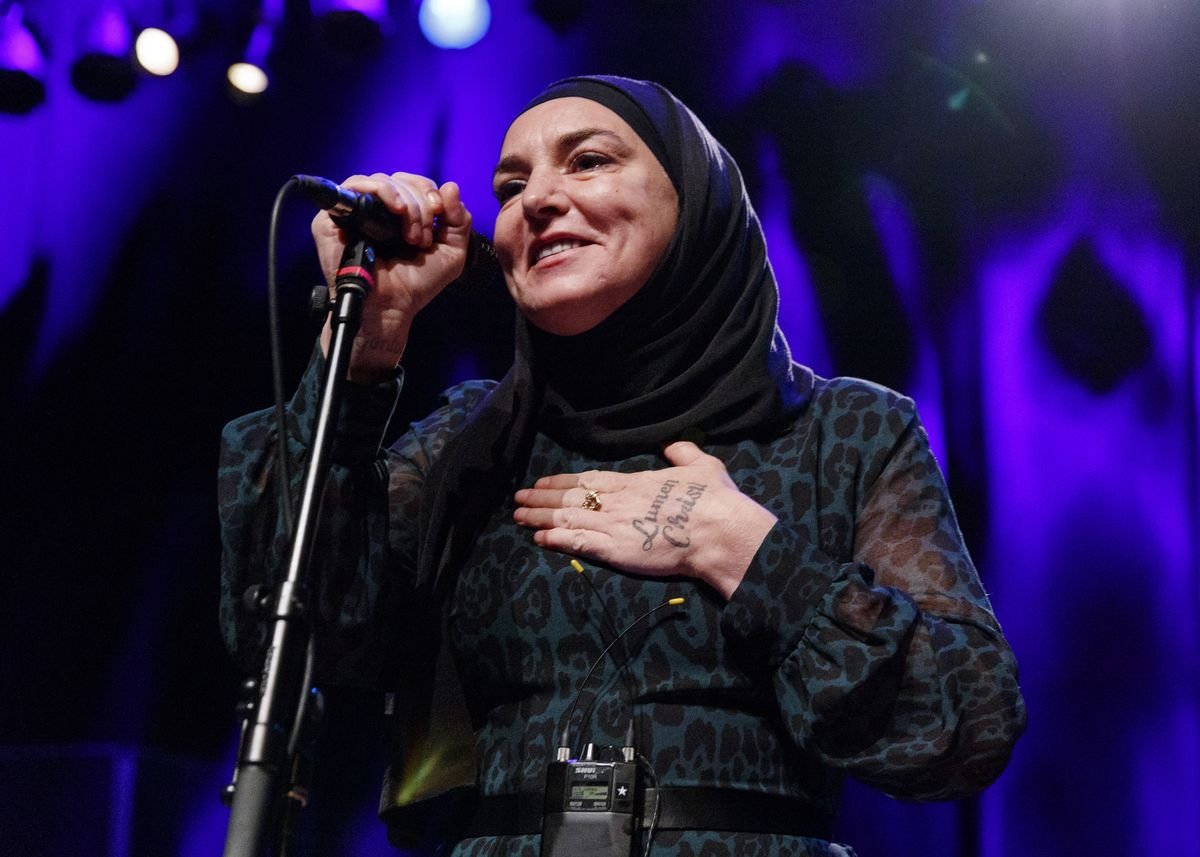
x: 689, y: 519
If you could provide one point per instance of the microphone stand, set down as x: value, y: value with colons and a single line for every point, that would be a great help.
x: 265, y: 754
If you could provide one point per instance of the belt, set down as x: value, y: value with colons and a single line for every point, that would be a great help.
x: 679, y: 808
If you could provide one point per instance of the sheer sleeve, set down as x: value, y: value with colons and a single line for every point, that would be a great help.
x: 366, y: 540
x: 888, y: 664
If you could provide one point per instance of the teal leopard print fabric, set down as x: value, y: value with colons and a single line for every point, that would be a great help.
x: 860, y: 643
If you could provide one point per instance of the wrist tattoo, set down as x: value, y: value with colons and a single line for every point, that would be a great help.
x: 377, y: 344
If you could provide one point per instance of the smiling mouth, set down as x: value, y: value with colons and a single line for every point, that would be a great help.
x: 556, y: 247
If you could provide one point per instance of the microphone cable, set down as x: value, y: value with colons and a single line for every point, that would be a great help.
x: 276, y: 348
x: 566, y: 730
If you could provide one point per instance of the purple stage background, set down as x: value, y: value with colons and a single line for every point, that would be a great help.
x: 991, y: 206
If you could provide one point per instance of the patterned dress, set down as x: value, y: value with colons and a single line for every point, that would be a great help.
x: 859, y: 643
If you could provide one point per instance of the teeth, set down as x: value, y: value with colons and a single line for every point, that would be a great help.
x: 557, y: 247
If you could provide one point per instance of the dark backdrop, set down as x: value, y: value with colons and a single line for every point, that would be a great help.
x: 991, y: 206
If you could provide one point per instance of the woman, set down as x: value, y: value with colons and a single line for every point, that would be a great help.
x: 653, y: 426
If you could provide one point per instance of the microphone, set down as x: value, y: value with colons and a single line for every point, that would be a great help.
x: 365, y: 215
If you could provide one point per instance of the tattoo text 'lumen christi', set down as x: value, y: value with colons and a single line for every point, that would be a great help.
x: 675, y: 530
x: 647, y: 525
x: 676, y: 524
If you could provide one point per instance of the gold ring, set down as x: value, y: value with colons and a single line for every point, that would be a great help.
x: 591, y: 501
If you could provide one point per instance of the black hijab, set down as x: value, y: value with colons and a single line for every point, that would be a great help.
x: 695, y: 354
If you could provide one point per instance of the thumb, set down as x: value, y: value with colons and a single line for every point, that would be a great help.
x: 684, y: 452
x: 455, y: 216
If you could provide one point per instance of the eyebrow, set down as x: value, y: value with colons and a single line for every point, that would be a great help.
x: 514, y: 163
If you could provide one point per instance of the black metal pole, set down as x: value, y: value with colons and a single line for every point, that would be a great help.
x: 265, y: 758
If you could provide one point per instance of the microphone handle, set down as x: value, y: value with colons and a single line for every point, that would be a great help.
x: 365, y: 215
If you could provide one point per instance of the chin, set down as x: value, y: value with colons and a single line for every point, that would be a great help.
x: 562, y: 323
x: 565, y: 313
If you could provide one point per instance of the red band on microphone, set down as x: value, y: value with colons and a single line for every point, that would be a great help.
x: 357, y: 271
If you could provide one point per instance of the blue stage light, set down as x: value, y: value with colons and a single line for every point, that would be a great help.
x: 454, y: 23
x: 22, y: 67
x: 104, y: 70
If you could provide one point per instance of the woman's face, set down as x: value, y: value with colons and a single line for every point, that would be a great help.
x: 586, y: 212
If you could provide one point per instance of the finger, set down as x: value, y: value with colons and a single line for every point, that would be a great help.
x: 571, y: 518
x: 423, y: 194
x: 418, y: 210
x: 541, y: 498
x: 584, y: 543
x: 590, y: 480
x: 554, y: 498
x: 384, y: 186
x: 405, y: 195
x: 558, y: 481
x: 455, y: 215
x: 684, y: 452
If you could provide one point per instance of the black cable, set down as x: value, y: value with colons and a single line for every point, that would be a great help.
x: 285, y: 492
x: 612, y: 629
x: 305, y: 694
x: 283, y: 473
x: 566, y: 730
x: 654, y: 813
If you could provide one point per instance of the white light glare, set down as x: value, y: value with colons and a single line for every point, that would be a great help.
x: 454, y: 23
x: 247, y: 77
x: 156, y: 51
x: 250, y: 75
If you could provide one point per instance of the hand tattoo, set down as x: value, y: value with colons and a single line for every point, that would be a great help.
x: 675, y: 531
x: 651, y: 516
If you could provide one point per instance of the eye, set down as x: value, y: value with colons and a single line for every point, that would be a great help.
x: 585, y: 161
x: 506, y: 190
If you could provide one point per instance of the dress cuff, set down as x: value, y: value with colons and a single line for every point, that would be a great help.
x: 787, y: 582
x: 363, y: 416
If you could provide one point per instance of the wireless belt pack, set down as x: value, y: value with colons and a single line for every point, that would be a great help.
x: 591, y: 805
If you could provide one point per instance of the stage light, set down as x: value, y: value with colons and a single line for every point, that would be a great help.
x: 454, y: 23
x: 104, y: 70
x: 156, y: 51
x: 351, y: 25
x: 171, y: 33
x: 249, y: 76
x: 22, y: 68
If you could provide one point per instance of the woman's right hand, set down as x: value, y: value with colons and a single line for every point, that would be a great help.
x: 403, y: 286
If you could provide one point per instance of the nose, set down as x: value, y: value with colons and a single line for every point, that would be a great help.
x: 543, y: 195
